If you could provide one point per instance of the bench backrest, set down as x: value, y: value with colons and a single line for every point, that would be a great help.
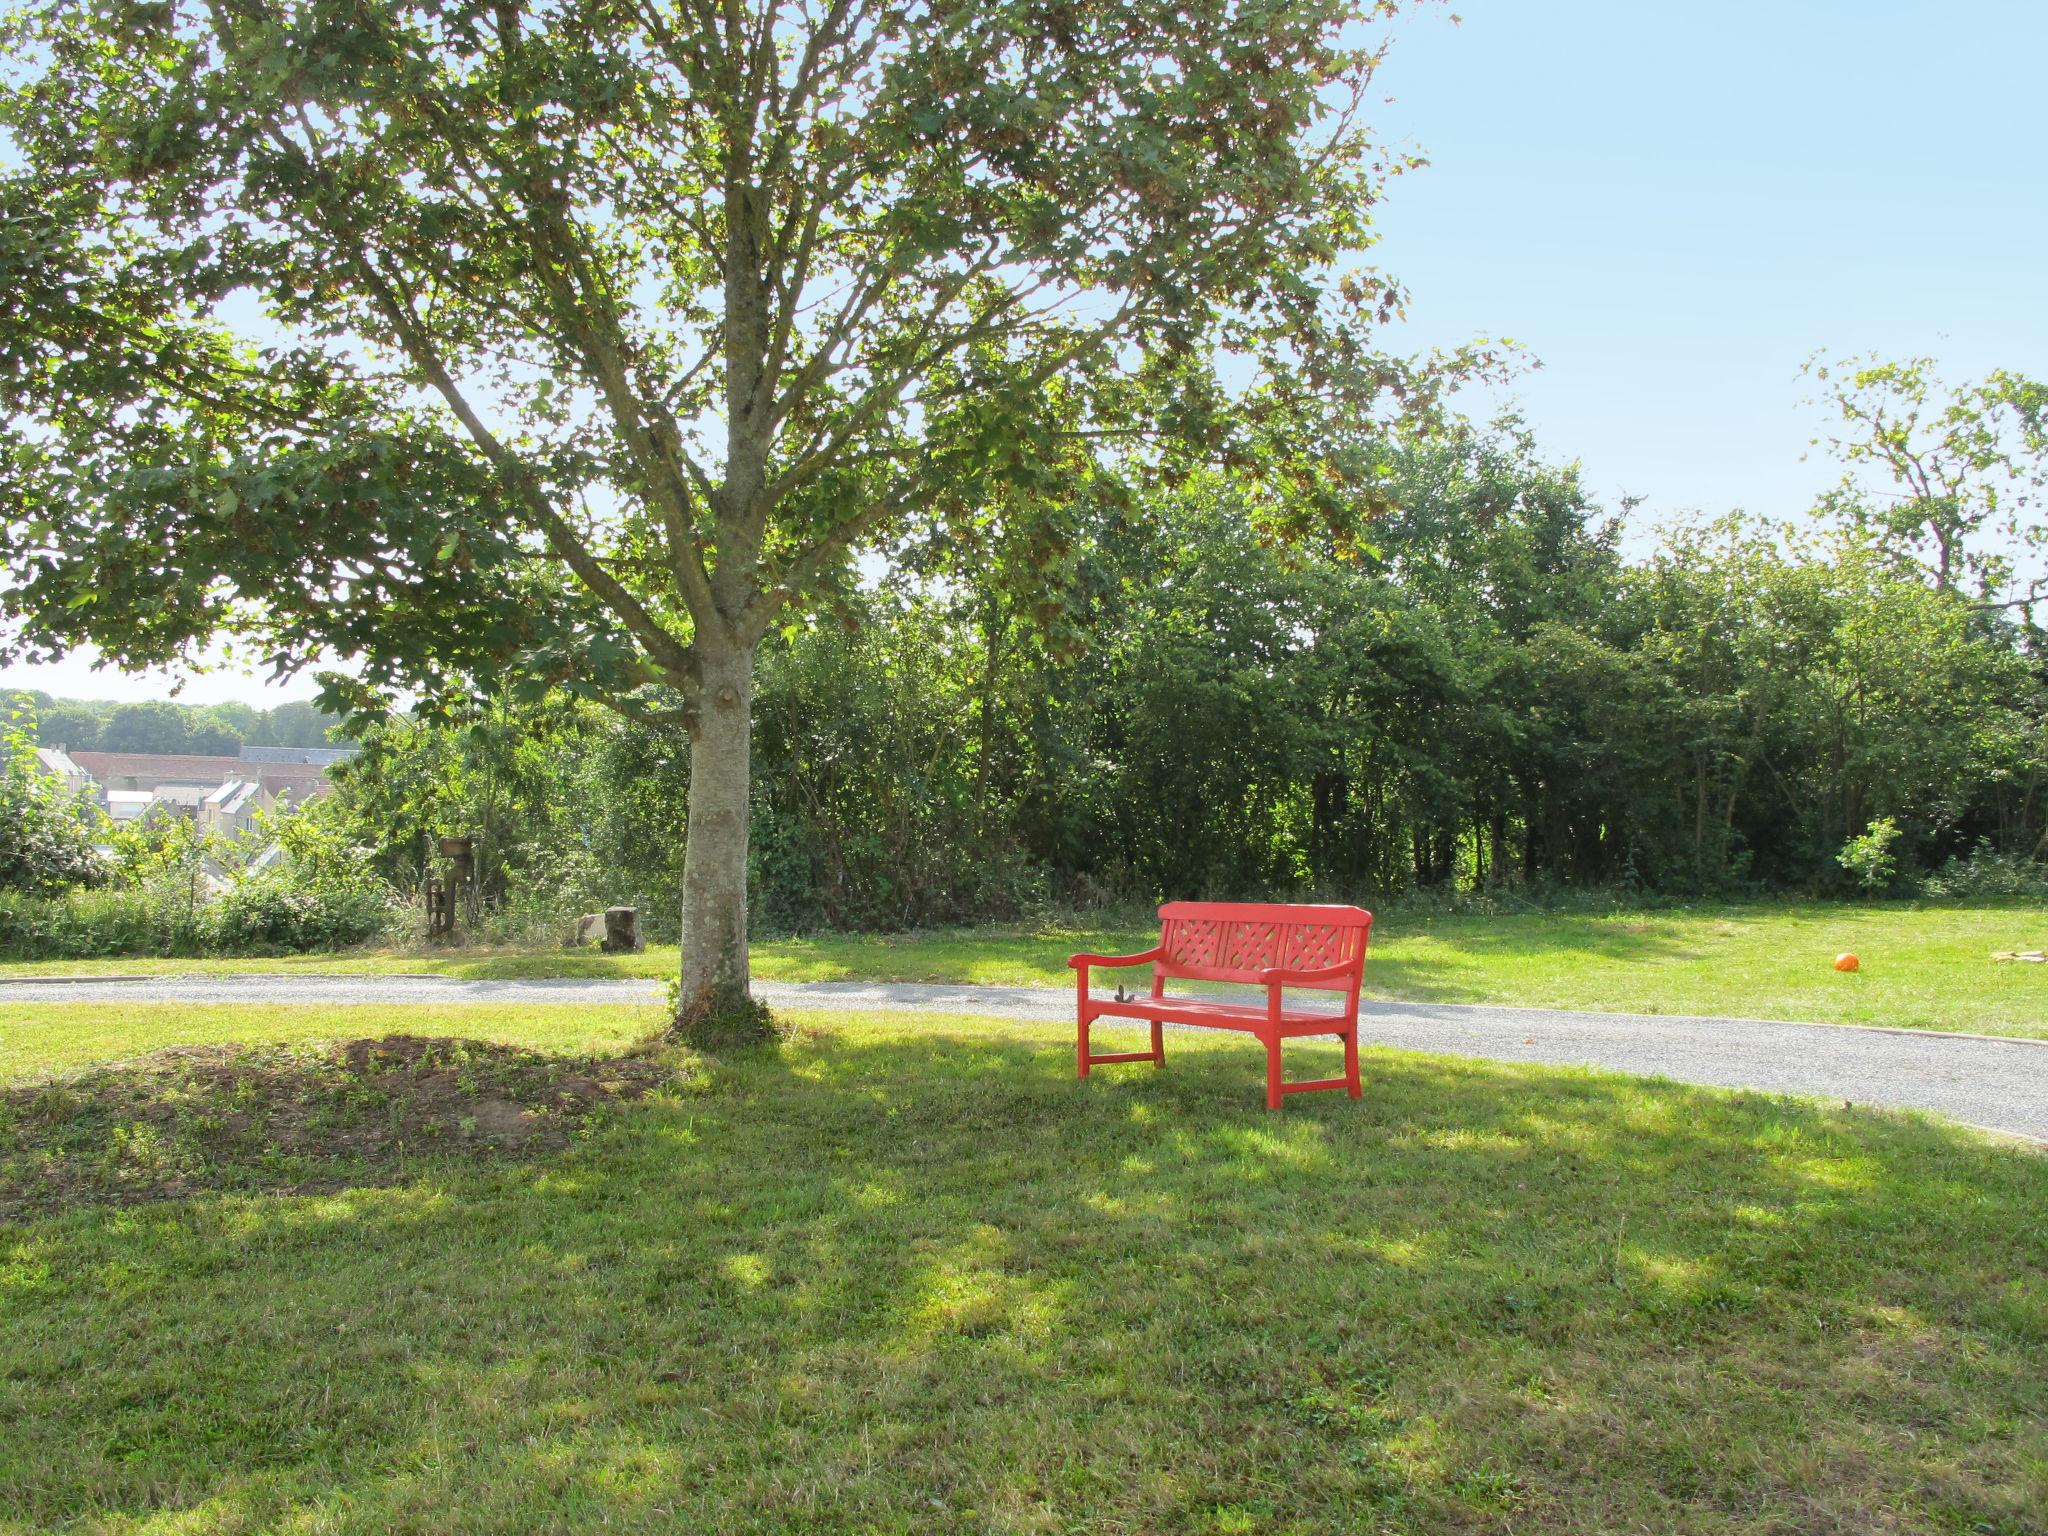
x: 1235, y: 940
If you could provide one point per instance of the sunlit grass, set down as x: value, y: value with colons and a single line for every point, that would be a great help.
x: 909, y: 1276
x: 1923, y: 966
x: 60, y: 1036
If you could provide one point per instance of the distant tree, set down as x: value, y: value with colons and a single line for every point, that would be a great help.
x: 213, y: 739
x: 1960, y: 472
x: 236, y: 716
x: 600, y: 335
x: 1812, y: 686
x: 1869, y: 856
x: 71, y: 725
x: 297, y: 724
x: 157, y: 726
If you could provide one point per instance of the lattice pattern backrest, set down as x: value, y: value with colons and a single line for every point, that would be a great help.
x: 1251, y: 946
x: 1311, y: 946
x: 1239, y: 948
x: 1194, y: 941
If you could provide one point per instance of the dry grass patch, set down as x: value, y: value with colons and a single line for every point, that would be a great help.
x: 293, y: 1120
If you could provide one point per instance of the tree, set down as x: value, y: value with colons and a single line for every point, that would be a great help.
x: 156, y: 726
x: 1812, y: 686
x: 599, y: 334
x: 71, y: 725
x: 296, y: 724
x: 45, y: 830
x: 1966, y: 467
x: 212, y: 739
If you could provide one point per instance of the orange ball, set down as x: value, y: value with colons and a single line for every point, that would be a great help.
x: 1846, y: 962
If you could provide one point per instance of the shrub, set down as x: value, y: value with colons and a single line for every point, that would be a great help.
x: 319, y: 894
x: 1985, y: 872
x: 273, y: 914
x: 45, y: 831
x: 92, y: 924
x: 1869, y: 857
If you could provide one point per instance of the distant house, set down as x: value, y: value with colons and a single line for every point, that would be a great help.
x: 176, y: 800
x: 126, y: 806
x: 298, y: 782
x: 311, y: 757
x: 231, y: 810
x: 57, y: 763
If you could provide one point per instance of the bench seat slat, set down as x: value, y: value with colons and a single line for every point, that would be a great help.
x: 1245, y: 1016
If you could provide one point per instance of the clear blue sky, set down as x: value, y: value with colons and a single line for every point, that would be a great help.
x: 1673, y: 204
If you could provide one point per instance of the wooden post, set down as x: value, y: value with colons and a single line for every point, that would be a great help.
x: 463, y: 896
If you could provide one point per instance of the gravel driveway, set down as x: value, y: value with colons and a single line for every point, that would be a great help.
x: 1999, y: 1085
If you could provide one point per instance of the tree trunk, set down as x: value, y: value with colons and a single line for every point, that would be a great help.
x: 715, y: 988
x: 991, y: 641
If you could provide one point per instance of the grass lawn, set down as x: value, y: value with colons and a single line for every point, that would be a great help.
x: 908, y: 1276
x: 1924, y: 966
x: 63, y: 1037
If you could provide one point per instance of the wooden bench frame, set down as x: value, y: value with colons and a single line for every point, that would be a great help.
x: 1262, y: 944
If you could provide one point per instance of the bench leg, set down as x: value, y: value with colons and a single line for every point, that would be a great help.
x: 1351, y: 1084
x: 1273, y: 1072
x: 1081, y: 1048
x: 1158, y: 1044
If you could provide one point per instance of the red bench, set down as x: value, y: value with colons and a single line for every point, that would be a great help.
x: 1270, y: 946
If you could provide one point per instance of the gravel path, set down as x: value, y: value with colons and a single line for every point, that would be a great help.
x: 1999, y: 1085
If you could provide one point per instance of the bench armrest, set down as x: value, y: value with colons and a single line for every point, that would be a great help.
x: 1280, y: 976
x: 1076, y: 962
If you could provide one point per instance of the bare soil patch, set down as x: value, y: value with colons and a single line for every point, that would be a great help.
x: 296, y: 1119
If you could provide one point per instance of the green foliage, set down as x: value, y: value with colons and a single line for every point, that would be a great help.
x: 321, y: 892
x: 1960, y: 472
x: 161, y: 849
x: 174, y: 917
x: 627, y: 307
x: 166, y: 726
x: 275, y: 914
x: 180, y: 892
x: 539, y: 788
x: 1869, y: 857
x: 46, y: 831
x: 1802, y: 687
x: 162, y: 918
x: 153, y: 727
x: 1489, y: 705
x: 1984, y: 873
x: 870, y: 811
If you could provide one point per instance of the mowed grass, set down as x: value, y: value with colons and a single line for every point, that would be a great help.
x: 59, y: 1037
x: 1923, y: 966
x: 909, y: 1276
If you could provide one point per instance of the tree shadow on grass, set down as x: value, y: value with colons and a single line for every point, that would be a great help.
x: 294, y: 1119
x: 903, y: 1279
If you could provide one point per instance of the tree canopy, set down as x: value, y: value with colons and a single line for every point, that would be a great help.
x: 582, y: 342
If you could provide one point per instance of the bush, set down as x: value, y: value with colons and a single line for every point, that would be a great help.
x: 270, y: 914
x: 93, y: 924
x: 321, y: 894
x: 1869, y: 857
x: 265, y: 915
x: 45, y: 831
x: 1986, y: 872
